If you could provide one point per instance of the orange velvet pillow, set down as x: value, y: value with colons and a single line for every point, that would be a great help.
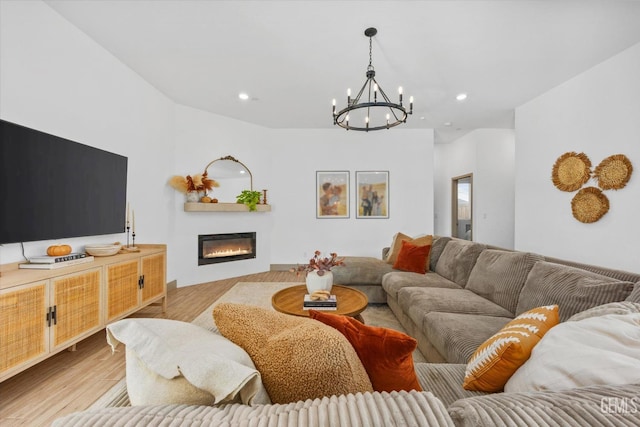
x: 412, y: 258
x: 386, y: 354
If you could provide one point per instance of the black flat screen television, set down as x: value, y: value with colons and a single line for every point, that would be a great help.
x: 54, y: 188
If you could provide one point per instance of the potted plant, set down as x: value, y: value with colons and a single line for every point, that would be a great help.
x: 249, y: 198
x: 318, y: 271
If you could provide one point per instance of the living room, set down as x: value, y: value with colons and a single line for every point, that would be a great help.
x: 55, y: 78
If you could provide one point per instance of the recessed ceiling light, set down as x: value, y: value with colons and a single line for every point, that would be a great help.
x: 448, y: 123
x: 243, y: 96
x: 461, y: 96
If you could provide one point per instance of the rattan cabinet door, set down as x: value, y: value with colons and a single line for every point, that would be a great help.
x: 153, y: 272
x: 24, y: 335
x: 76, y: 302
x: 122, y: 288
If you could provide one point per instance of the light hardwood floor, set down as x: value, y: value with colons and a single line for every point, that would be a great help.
x: 72, y: 381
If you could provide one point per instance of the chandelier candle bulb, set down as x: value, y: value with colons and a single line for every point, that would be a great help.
x: 411, y: 104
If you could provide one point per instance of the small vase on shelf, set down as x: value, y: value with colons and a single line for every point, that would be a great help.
x: 319, y: 283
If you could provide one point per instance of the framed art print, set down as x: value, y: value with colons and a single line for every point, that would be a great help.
x: 372, y: 189
x: 332, y: 194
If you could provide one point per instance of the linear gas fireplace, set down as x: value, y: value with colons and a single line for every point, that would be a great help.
x: 215, y: 248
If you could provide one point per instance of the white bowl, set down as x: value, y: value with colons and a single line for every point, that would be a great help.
x: 102, y: 249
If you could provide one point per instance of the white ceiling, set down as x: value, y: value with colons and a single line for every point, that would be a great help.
x: 293, y: 57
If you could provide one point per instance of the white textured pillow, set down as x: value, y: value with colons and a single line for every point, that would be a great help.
x: 177, y: 362
x: 594, y: 351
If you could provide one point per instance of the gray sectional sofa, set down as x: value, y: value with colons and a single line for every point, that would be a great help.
x: 471, y: 292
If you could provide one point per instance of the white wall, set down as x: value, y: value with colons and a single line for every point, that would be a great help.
x: 55, y: 79
x: 200, y: 138
x: 298, y: 154
x: 596, y: 113
x: 285, y: 163
x: 489, y: 155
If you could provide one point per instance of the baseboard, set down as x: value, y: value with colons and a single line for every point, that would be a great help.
x: 172, y: 285
x: 282, y: 267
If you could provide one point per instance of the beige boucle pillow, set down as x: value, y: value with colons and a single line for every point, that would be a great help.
x: 298, y: 358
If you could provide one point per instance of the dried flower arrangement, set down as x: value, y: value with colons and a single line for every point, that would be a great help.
x: 318, y: 264
x: 197, y: 182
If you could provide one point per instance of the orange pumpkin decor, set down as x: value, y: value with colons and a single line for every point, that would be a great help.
x: 58, y: 250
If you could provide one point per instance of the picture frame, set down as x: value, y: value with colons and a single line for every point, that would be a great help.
x: 372, y: 192
x: 332, y: 194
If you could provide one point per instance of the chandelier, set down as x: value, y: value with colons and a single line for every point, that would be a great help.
x: 369, y: 113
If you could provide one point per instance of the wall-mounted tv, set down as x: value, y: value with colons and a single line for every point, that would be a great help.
x: 54, y: 188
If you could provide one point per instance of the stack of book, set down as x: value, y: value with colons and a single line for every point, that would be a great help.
x: 50, y: 262
x: 328, y: 304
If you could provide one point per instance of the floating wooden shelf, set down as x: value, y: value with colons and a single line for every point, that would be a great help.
x: 222, y: 207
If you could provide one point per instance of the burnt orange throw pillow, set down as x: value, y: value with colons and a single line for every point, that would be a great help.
x: 386, y: 354
x: 412, y: 258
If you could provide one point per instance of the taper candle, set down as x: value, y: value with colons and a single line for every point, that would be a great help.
x: 133, y: 219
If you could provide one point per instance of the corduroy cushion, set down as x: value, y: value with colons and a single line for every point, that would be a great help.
x: 412, y: 258
x: 386, y: 354
x: 495, y: 361
x: 573, y: 289
x: 500, y: 275
x: 396, y: 246
x: 297, y: 357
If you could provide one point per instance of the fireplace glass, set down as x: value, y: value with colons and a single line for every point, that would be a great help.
x: 216, y: 248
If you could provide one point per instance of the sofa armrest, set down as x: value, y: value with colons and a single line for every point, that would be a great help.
x: 585, y: 406
x: 372, y: 409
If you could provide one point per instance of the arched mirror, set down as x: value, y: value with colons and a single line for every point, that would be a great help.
x: 233, y: 177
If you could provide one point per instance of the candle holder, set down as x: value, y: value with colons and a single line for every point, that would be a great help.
x: 264, y: 200
x: 128, y: 233
x: 133, y: 236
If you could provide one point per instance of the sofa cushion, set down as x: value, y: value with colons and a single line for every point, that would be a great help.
x: 360, y: 271
x: 572, y: 289
x: 457, y: 260
x: 438, y: 245
x: 412, y: 258
x: 297, y: 357
x: 176, y: 362
x: 500, y: 275
x: 444, y: 380
x: 456, y: 336
x: 396, y: 280
x: 386, y: 354
x: 600, y: 350
x: 621, y: 307
x: 418, y: 302
x: 495, y: 361
x: 634, y: 296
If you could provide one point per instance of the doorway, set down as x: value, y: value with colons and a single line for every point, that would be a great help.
x: 461, y: 206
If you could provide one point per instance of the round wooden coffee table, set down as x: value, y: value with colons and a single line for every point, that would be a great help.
x: 351, y: 302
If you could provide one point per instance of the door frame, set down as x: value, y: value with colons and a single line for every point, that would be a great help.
x: 454, y: 203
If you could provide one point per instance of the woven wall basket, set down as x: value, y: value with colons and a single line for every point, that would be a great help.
x: 589, y: 205
x: 571, y: 171
x: 614, y: 172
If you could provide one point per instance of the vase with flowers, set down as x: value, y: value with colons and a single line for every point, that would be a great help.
x: 194, y: 187
x: 318, y: 271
